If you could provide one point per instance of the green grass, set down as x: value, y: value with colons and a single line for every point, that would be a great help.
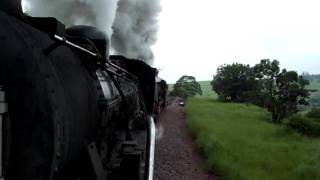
x: 239, y: 143
x: 314, y: 85
x: 314, y: 96
x: 207, y: 89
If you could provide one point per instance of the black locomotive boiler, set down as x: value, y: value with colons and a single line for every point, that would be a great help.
x: 68, y: 110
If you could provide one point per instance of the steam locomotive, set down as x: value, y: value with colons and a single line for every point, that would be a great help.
x: 69, y: 110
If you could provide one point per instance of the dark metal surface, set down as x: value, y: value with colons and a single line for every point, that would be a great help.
x: 11, y: 6
x: 96, y: 162
x: 3, y: 111
x: 144, y: 73
x: 50, y: 116
x: 57, y: 102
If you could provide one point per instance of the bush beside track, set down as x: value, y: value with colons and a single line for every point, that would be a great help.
x: 240, y: 143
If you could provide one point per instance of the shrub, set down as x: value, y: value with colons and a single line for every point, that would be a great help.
x: 303, y: 125
x: 314, y: 113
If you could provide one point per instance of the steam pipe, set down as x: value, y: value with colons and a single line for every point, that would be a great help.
x: 64, y: 40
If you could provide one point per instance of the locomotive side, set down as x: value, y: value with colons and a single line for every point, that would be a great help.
x: 72, y: 113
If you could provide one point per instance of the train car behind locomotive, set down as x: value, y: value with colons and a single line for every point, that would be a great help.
x: 161, y: 95
x: 67, y: 110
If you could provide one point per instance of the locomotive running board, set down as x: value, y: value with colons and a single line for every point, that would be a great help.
x: 151, y: 143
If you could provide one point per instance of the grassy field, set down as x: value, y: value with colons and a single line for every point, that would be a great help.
x: 239, y: 143
x: 314, y: 96
x: 207, y: 89
x: 314, y: 85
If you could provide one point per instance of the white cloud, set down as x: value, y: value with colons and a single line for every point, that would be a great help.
x: 196, y: 37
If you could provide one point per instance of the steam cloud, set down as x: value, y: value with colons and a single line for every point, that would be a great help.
x: 130, y: 24
x: 99, y: 13
x: 135, y: 28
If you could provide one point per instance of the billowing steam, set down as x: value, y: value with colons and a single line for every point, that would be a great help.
x: 135, y: 28
x: 99, y: 13
x: 130, y: 24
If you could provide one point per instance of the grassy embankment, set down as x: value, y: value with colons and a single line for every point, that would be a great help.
x: 239, y: 143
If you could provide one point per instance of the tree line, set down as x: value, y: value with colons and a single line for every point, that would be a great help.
x: 264, y: 84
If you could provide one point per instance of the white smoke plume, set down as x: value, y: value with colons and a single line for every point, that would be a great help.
x: 99, y: 13
x: 130, y: 24
x: 135, y: 28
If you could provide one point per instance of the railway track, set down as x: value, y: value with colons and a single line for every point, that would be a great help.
x: 176, y: 156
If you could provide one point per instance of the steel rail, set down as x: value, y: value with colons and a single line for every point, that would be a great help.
x: 152, y: 141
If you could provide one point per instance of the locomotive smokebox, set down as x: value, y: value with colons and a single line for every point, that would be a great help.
x: 11, y: 6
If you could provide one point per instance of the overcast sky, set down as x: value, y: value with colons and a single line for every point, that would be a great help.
x: 195, y: 37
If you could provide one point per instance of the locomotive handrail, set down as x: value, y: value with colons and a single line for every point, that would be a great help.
x: 64, y: 40
x: 96, y: 55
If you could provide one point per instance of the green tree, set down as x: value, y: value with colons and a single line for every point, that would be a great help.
x: 186, y: 86
x: 234, y: 83
x: 266, y: 73
x: 279, y: 92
